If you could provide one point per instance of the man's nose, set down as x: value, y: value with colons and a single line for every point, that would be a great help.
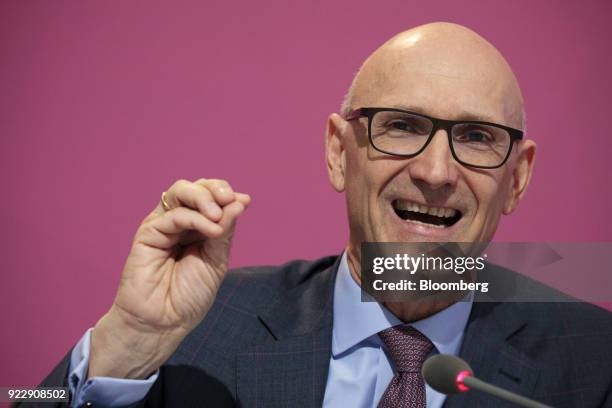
x: 435, y: 166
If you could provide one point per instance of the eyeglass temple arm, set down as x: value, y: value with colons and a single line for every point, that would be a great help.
x: 354, y: 114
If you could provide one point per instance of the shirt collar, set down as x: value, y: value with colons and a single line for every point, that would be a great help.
x: 356, y: 321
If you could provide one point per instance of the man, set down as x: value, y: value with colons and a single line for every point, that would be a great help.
x: 183, y: 332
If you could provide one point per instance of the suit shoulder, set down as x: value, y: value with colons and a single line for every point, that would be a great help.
x: 574, y: 317
x: 550, y: 315
x: 555, y: 309
x: 253, y: 287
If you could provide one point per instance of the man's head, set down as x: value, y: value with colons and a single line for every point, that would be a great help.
x: 445, y: 71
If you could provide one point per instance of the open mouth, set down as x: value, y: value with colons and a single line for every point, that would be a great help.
x: 429, y: 216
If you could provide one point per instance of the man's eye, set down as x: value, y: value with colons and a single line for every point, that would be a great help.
x: 406, y: 126
x: 475, y: 136
x: 400, y: 125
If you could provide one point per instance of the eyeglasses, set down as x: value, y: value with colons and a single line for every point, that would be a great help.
x: 406, y: 134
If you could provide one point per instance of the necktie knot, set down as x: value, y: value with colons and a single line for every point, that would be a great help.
x: 407, y: 346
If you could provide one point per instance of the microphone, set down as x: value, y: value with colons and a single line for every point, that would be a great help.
x: 450, y: 375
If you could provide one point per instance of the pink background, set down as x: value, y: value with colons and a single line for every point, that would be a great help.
x: 103, y: 104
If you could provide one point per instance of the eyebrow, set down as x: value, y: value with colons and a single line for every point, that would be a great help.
x: 462, y: 115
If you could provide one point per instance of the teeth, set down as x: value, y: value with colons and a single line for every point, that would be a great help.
x: 435, y: 211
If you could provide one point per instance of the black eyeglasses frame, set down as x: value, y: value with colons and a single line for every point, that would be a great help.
x: 444, y: 124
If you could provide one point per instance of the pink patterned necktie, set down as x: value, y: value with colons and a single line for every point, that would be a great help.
x: 408, y: 348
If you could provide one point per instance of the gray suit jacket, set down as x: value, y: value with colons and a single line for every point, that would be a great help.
x: 266, y: 342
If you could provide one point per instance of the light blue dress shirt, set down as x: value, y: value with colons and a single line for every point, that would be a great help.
x: 359, y: 369
x: 104, y: 391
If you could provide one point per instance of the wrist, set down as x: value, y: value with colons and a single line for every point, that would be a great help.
x: 120, y: 350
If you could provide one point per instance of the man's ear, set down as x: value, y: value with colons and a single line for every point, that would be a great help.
x: 334, y: 150
x: 521, y: 175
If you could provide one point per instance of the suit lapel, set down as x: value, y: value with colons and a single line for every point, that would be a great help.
x: 487, y: 347
x: 292, y: 369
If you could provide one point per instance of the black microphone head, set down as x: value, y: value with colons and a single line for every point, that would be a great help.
x: 441, y: 372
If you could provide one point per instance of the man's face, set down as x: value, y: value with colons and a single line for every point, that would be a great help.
x: 378, y: 186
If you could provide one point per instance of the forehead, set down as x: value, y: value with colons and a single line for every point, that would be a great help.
x: 446, y: 83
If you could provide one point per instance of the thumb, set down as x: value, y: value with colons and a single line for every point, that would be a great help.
x: 231, y: 212
x: 245, y: 199
x: 218, y: 248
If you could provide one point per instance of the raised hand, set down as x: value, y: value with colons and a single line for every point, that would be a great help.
x: 178, y: 259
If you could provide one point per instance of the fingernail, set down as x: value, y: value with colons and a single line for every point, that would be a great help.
x: 224, y: 190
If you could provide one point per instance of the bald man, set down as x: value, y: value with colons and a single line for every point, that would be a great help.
x: 428, y: 147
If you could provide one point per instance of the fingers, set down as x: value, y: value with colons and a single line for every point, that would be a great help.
x: 208, y: 196
x: 165, y: 231
x: 186, y: 194
x: 220, y: 190
x: 208, y: 208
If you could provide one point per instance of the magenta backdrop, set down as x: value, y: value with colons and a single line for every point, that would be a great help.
x: 103, y: 104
